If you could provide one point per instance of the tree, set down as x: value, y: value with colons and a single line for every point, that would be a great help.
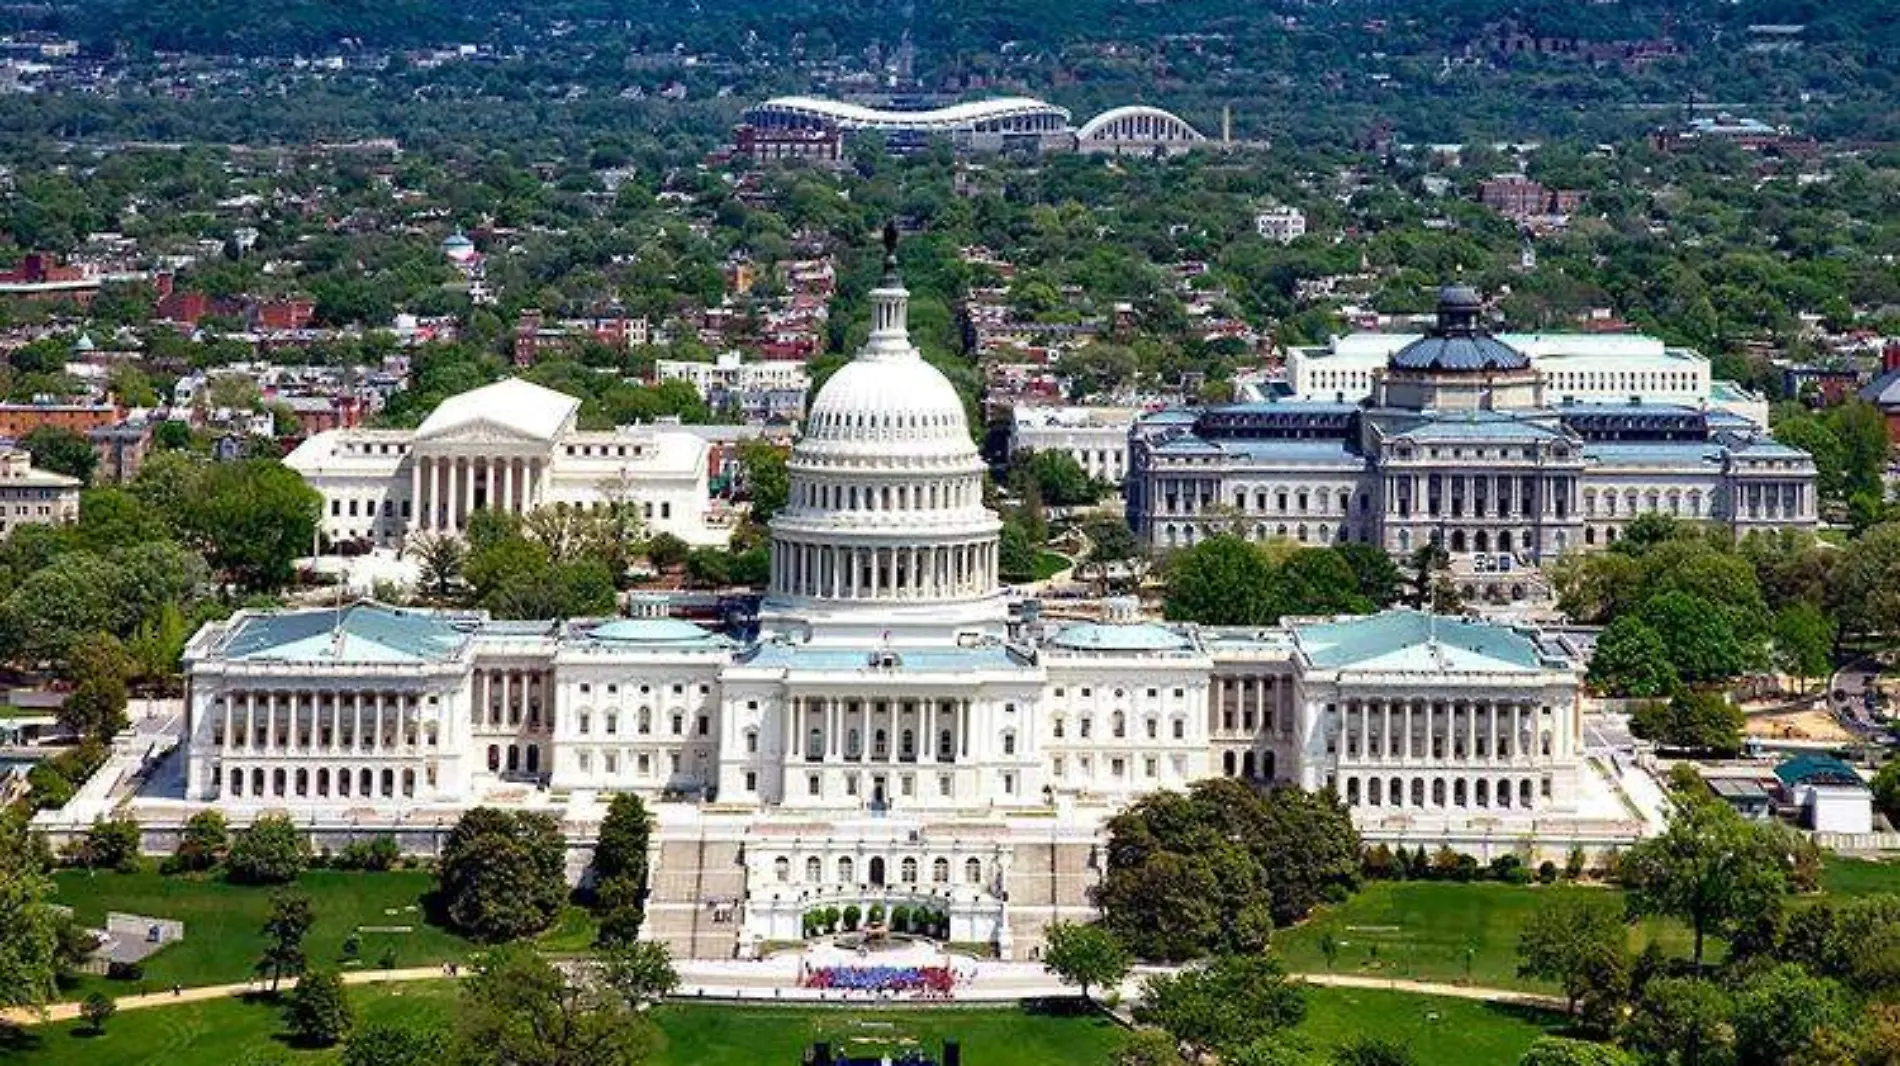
x: 1378, y: 578
x: 1111, y: 542
x: 29, y: 925
x: 666, y: 551
x: 252, y: 519
x: 620, y: 868
x: 61, y: 451
x: 1084, y: 955
x: 317, y: 1012
x: 1565, y: 941
x: 1232, y: 1002
x: 519, y: 1009
x: 767, y: 482
x: 1149, y: 1047
x: 113, y: 844
x: 1373, y: 1051
x: 272, y: 851
x: 1804, y: 641
x: 1631, y: 660
x: 1780, y: 1012
x: 1710, y: 868
x: 383, y: 1044
x: 439, y: 560
x: 1223, y: 580
x: 1701, y: 640
x: 1681, y: 1021
x: 1059, y: 480
x: 1015, y: 553
x: 640, y: 970
x: 1561, y: 1051
x: 291, y: 916
x: 1886, y: 786
x: 502, y: 875
x: 1691, y: 720
x: 97, y: 1009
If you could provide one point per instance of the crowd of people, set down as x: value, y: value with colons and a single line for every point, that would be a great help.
x: 936, y: 980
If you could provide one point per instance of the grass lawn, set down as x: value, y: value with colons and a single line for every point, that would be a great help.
x: 1859, y: 877
x: 1443, y: 1032
x: 1049, y: 564
x: 223, y: 922
x: 1439, y: 1031
x: 1421, y: 930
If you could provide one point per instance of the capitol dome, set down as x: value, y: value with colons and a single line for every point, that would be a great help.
x: 884, y: 521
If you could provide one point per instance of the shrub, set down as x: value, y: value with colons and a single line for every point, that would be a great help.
x: 900, y: 918
x: 113, y: 844
x: 1573, y: 863
x: 97, y: 1009
x: 377, y: 854
x: 125, y: 971
x: 271, y: 852
x: 205, y: 840
x: 1379, y: 863
x: 1547, y: 872
x: 851, y: 916
x: 876, y: 915
x: 317, y: 1012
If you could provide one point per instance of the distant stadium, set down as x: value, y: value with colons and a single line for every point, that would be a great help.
x: 1001, y: 124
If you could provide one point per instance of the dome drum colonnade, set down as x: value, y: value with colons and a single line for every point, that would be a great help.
x: 886, y: 487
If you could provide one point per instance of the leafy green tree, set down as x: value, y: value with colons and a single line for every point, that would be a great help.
x: 440, y: 559
x: 1148, y: 1047
x: 1781, y: 1012
x: 1631, y: 660
x: 502, y: 874
x: 97, y: 1009
x: 1565, y: 940
x: 1804, y: 641
x: 1562, y: 1051
x: 1378, y: 578
x: 61, y: 451
x: 1015, y: 553
x: 1373, y: 1051
x: 317, y: 1012
x: 384, y: 1044
x: 1886, y: 786
x: 767, y: 483
x: 1682, y: 1021
x: 291, y: 916
x: 1710, y: 868
x: 113, y: 844
x: 252, y: 519
x: 1111, y: 543
x: 620, y: 868
x: 272, y: 851
x: 1701, y: 641
x: 29, y: 925
x: 1087, y: 956
x: 1222, y: 580
x: 1232, y: 1002
x: 1059, y: 480
x: 519, y: 1008
x: 1691, y: 720
x: 640, y: 970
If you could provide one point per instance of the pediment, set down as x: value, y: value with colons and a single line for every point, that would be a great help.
x: 478, y: 431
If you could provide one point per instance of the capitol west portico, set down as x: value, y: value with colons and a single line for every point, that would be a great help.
x: 891, y: 736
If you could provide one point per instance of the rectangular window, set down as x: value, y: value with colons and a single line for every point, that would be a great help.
x: 943, y: 784
x: 811, y: 785
x: 751, y: 781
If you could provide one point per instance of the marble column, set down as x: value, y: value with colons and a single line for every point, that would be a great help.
x: 415, y: 491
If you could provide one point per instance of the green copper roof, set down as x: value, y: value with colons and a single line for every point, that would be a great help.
x: 1136, y: 636
x: 1413, y: 641
x: 653, y: 631
x: 359, y: 633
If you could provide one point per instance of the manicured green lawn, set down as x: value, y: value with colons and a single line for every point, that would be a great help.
x: 1439, y: 1031
x: 1421, y: 930
x: 1443, y: 1032
x: 1859, y: 877
x: 223, y: 922
x: 1049, y: 564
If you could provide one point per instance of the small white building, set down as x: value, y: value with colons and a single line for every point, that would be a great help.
x: 1831, y: 797
x: 511, y: 446
x: 729, y: 373
x: 30, y: 496
x: 1281, y: 225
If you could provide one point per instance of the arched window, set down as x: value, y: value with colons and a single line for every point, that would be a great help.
x: 973, y: 872
x: 907, y: 871
x: 940, y: 870
x: 782, y: 870
x: 1120, y: 725
x: 814, y: 870
x: 847, y: 871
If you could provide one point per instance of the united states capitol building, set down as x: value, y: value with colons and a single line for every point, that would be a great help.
x: 893, y: 734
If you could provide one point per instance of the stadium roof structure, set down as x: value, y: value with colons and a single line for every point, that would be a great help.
x: 956, y: 117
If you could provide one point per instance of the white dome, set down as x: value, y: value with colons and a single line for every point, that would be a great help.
x: 886, y: 401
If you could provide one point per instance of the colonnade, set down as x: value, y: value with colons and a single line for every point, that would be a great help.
x: 866, y: 572
x: 311, y: 723
x: 506, y: 698
x: 1394, y: 730
x: 447, y: 488
x: 1246, y: 704
x: 838, y: 729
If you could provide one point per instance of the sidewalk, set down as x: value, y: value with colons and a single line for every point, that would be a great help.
x: 767, y: 982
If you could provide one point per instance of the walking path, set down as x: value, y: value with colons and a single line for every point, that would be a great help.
x: 987, y: 982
